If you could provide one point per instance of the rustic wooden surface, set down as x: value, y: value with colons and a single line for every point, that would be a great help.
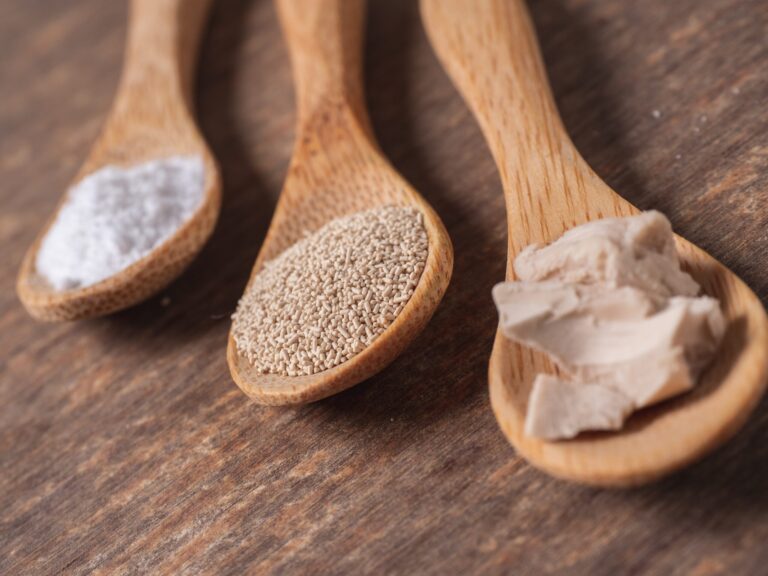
x: 124, y: 446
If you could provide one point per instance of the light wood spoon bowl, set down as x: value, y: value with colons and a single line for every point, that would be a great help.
x: 490, y: 51
x: 337, y: 169
x: 151, y: 118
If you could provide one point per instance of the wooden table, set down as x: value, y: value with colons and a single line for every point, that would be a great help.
x: 125, y: 447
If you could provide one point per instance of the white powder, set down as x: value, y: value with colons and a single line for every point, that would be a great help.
x: 116, y: 216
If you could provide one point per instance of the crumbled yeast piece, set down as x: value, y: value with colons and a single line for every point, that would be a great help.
x: 610, y: 305
x: 561, y: 408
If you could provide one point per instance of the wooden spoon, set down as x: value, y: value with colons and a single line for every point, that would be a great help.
x: 489, y: 49
x: 337, y: 169
x: 151, y: 118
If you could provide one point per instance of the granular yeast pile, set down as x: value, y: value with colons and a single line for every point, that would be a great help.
x: 331, y: 294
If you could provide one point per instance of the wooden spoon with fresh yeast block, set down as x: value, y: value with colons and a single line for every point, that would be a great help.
x: 489, y: 49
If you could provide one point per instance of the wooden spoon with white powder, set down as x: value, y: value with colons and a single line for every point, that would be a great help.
x: 147, y: 198
x: 489, y: 49
x: 331, y: 309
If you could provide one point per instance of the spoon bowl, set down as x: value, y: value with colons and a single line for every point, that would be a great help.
x: 489, y: 50
x: 336, y: 170
x: 150, y: 119
x: 662, y: 438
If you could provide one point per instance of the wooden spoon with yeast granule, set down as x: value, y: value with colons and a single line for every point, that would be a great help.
x: 151, y: 118
x: 489, y: 49
x: 337, y: 169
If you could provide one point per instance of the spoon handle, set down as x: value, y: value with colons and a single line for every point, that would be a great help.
x: 489, y: 50
x: 161, y: 51
x: 325, y: 45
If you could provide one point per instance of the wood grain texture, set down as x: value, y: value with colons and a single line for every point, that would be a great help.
x: 491, y: 53
x: 336, y: 170
x: 124, y: 446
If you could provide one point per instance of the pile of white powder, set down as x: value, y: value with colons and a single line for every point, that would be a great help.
x: 116, y: 216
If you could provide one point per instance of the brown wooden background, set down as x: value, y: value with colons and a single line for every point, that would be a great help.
x: 124, y: 446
